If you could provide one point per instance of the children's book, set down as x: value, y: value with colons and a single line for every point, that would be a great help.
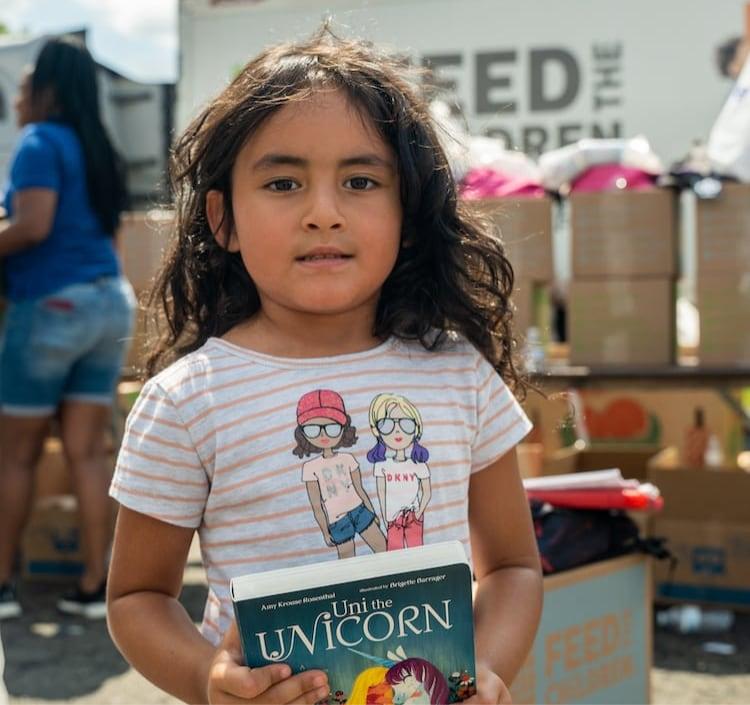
x: 392, y: 627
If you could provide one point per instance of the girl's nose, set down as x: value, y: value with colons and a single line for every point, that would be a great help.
x: 323, y: 212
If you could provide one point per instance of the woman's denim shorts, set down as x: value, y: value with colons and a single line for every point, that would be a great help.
x: 67, y: 346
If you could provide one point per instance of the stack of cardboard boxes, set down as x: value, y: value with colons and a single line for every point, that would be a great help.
x: 723, y: 277
x: 622, y: 297
x: 525, y: 225
x: 707, y: 526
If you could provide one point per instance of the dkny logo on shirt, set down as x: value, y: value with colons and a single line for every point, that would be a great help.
x: 400, y: 476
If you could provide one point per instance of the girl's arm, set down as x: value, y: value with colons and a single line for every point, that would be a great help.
x: 316, y: 502
x: 33, y: 216
x: 357, y: 482
x: 380, y: 482
x: 156, y: 635
x: 425, y: 490
x: 508, y: 600
x: 147, y: 622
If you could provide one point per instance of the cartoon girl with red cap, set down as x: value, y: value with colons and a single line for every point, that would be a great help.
x: 333, y: 480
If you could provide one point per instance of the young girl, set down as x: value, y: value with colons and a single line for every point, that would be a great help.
x: 404, y: 488
x: 319, y: 242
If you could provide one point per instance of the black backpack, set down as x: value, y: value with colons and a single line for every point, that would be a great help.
x: 568, y: 538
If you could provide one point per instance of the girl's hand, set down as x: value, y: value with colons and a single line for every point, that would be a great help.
x: 231, y: 682
x: 490, y: 688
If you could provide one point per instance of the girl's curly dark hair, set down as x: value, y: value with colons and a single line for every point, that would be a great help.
x: 451, y: 274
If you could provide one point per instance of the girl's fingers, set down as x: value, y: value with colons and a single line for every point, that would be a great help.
x: 246, y: 683
x: 311, y: 697
x: 307, y: 687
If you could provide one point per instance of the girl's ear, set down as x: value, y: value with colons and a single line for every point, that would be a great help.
x: 217, y: 221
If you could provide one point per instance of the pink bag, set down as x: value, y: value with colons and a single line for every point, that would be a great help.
x: 488, y: 183
x: 612, y: 177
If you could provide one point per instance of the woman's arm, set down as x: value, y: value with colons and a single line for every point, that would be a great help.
x: 508, y: 600
x: 33, y: 216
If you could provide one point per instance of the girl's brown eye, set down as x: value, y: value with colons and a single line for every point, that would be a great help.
x: 282, y: 185
x: 361, y: 183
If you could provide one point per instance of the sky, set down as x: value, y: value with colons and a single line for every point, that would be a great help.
x: 137, y: 38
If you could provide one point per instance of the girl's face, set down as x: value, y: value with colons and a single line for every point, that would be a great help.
x: 322, y: 432
x: 317, y: 209
x: 397, y: 429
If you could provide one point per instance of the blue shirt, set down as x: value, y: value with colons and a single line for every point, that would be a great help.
x: 77, y: 250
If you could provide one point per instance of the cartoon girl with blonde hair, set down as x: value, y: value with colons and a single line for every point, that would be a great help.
x: 403, y: 482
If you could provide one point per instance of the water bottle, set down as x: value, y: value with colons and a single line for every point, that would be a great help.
x: 691, y: 619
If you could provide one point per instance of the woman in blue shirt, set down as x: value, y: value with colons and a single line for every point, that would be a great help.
x: 69, y: 309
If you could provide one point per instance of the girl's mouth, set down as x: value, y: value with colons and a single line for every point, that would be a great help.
x: 398, y: 439
x: 319, y: 257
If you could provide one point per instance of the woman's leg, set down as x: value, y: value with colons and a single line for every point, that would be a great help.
x: 21, y: 444
x: 83, y: 429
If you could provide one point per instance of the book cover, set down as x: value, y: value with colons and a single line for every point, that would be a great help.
x: 391, y: 628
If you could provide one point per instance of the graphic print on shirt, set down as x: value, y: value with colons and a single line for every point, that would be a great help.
x: 333, y: 480
x: 400, y: 469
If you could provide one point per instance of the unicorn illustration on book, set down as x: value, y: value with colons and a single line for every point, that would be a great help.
x: 399, y: 680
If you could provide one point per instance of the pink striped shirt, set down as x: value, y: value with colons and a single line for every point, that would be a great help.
x: 210, y: 445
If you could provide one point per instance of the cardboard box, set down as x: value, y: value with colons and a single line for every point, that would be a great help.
x: 141, y: 241
x: 620, y: 415
x: 707, y: 524
x: 594, y: 643
x: 552, y: 417
x: 631, y: 460
x: 624, y: 233
x: 51, y: 542
x: 526, y: 228
x: 724, y: 310
x: 530, y: 458
x: 622, y: 322
x: 723, y: 231
x: 52, y: 477
x: 51, y: 547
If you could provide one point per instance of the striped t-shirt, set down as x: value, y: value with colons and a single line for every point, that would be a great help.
x: 218, y: 441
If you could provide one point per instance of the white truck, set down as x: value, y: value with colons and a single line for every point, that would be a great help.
x: 540, y: 73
